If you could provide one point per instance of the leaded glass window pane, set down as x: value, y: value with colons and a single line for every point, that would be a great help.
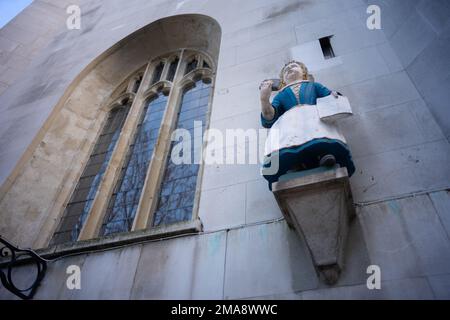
x: 158, y: 72
x: 191, y: 66
x: 125, y: 199
x: 176, y: 198
x: 137, y: 84
x: 81, y: 201
x: 172, y: 69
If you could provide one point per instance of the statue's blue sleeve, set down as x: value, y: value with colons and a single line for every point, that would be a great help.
x: 276, y: 104
x: 321, y: 90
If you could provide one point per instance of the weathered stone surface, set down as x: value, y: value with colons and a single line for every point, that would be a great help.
x: 401, y: 171
x: 356, y: 257
x: 406, y: 238
x: 415, y: 288
x: 396, y: 88
x: 354, y: 68
x: 441, y: 202
x: 319, y: 206
x: 255, y: 254
x: 185, y: 268
x: 440, y: 285
x: 390, y: 128
x: 261, y: 205
x: 108, y: 275
x: 215, y: 216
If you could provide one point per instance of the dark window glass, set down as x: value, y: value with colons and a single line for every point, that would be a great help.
x: 125, y: 199
x: 81, y: 201
x: 191, y: 66
x: 327, y: 49
x: 158, y: 72
x: 176, y: 198
x: 172, y: 69
x: 206, y: 65
x: 137, y: 84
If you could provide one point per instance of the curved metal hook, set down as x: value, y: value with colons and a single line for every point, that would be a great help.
x: 9, y: 250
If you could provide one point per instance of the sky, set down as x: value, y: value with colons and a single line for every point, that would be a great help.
x: 11, y: 8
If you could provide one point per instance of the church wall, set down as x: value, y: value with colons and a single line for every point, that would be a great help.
x: 398, y: 137
x: 420, y: 40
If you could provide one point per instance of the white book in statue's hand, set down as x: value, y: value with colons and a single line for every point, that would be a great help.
x: 331, y: 109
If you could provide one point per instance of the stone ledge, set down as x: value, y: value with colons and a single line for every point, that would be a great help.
x: 113, y: 241
x: 305, y: 180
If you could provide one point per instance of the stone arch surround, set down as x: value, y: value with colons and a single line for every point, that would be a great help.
x: 42, y: 181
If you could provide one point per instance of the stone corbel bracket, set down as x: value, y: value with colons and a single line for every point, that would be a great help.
x: 319, y: 207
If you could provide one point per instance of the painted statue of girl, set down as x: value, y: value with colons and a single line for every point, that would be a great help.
x: 311, y: 143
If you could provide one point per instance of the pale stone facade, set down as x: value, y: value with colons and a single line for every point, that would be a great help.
x: 54, y: 84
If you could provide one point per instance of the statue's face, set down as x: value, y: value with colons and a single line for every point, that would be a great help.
x: 293, y: 72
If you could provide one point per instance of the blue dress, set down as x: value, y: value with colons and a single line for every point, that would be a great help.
x: 309, y: 153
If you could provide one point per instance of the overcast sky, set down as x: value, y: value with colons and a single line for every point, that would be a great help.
x: 10, y: 8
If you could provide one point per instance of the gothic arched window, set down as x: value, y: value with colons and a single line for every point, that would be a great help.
x: 148, y: 189
x: 90, y: 171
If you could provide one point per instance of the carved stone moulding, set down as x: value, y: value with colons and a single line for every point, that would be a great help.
x: 192, y: 77
x: 318, y: 204
x: 160, y: 86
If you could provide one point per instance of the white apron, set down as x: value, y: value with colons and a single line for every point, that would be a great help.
x: 297, y: 126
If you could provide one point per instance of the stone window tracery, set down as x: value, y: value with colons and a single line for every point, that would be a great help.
x: 175, y: 91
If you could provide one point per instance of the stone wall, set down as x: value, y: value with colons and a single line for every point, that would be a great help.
x: 407, y: 238
x: 419, y: 35
x: 398, y: 137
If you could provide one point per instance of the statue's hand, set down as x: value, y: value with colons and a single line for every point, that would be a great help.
x: 265, y: 90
